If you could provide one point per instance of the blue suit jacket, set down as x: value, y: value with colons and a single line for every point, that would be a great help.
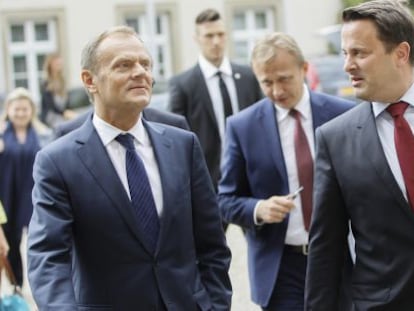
x: 253, y: 169
x: 86, y: 252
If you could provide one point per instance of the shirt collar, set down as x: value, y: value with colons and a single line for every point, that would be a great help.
x: 303, y: 106
x: 408, y: 97
x: 108, y: 132
x: 209, y: 70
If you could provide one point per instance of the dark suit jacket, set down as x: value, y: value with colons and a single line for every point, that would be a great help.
x: 253, y: 169
x: 354, y: 182
x: 149, y: 114
x: 85, y: 251
x: 189, y: 97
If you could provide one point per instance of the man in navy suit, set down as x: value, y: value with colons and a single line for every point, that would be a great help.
x: 260, y: 172
x: 365, y: 168
x: 102, y: 239
x: 196, y: 94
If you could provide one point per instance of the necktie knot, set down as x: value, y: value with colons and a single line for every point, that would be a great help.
x: 294, y: 113
x: 397, y: 109
x: 126, y: 140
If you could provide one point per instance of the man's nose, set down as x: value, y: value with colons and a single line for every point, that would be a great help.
x: 138, y: 70
x: 348, y: 64
x: 276, y: 90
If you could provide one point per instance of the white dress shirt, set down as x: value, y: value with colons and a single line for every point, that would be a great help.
x: 117, y: 154
x: 212, y: 80
x: 385, y: 128
x: 296, y: 233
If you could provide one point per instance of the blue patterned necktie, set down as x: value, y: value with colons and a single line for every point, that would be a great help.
x: 139, y: 188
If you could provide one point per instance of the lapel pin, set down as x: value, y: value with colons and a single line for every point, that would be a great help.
x: 237, y: 76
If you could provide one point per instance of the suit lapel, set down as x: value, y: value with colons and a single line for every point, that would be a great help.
x: 320, y: 114
x: 239, y: 83
x: 95, y: 157
x: 267, y: 119
x: 165, y: 160
x: 367, y: 134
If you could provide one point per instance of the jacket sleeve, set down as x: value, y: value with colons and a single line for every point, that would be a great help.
x: 213, y: 255
x: 235, y: 199
x: 50, y: 239
x: 178, y: 101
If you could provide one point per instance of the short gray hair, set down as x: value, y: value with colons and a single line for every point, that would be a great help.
x: 89, y: 58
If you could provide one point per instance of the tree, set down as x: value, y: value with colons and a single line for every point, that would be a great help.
x: 348, y: 3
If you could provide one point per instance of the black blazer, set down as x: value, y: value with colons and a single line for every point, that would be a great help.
x: 150, y: 114
x: 353, y: 182
x: 189, y: 97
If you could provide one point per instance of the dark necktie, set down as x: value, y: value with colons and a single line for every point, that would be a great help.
x: 404, y: 145
x: 304, y: 164
x: 139, y: 188
x: 228, y: 110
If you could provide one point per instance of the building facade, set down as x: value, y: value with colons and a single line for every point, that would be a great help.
x: 31, y: 29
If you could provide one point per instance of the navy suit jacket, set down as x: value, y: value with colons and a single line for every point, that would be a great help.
x: 86, y: 252
x: 356, y: 184
x: 189, y: 97
x: 253, y: 169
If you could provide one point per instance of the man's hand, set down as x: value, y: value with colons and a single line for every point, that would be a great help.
x: 274, y: 209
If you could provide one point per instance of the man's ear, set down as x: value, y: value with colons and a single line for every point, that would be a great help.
x: 88, y: 81
x: 402, y: 52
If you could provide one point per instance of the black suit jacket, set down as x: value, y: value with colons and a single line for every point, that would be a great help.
x: 189, y: 97
x: 353, y: 182
x: 149, y: 114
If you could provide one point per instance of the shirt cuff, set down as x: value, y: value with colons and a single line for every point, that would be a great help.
x: 257, y: 222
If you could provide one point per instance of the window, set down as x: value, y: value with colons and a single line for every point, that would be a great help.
x: 29, y: 43
x: 161, y: 51
x: 248, y: 25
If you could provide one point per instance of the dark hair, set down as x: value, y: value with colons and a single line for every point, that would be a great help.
x: 208, y: 15
x: 391, y: 18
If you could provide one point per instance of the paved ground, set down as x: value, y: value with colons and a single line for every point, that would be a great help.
x: 238, y: 273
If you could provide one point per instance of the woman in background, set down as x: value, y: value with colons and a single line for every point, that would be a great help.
x: 21, y: 137
x: 54, y: 93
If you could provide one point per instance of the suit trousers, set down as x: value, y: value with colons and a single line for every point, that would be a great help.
x: 289, y: 292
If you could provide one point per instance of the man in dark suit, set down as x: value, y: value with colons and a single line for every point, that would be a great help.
x: 149, y: 114
x: 365, y: 168
x: 125, y: 215
x: 264, y: 164
x: 197, y: 92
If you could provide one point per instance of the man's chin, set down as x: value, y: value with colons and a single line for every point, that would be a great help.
x: 362, y: 94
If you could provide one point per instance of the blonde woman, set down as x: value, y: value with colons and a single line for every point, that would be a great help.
x: 54, y: 93
x: 20, y: 139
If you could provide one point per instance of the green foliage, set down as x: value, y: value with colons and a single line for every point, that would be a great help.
x: 348, y: 3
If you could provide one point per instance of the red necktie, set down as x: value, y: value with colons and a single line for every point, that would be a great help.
x: 404, y: 144
x: 304, y: 164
